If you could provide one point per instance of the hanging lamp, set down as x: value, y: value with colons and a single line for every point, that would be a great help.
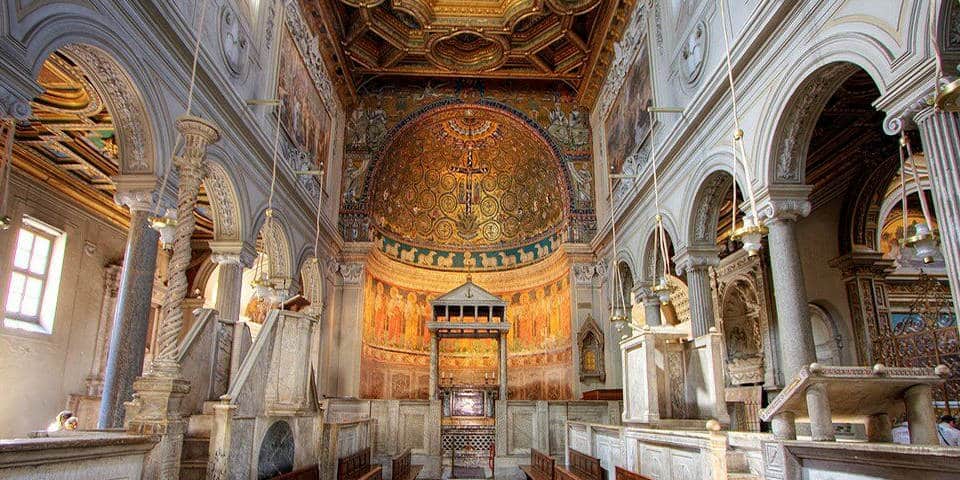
x: 752, y: 232
x: 264, y: 288
x: 925, y: 238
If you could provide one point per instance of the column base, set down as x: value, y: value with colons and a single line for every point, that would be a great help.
x: 155, y: 410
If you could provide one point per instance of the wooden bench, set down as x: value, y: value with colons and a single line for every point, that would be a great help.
x: 310, y: 473
x: 357, y: 467
x: 581, y: 467
x: 402, y: 469
x: 541, y: 466
x: 624, y: 474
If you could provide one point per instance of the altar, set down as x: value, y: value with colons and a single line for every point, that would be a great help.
x: 468, y: 421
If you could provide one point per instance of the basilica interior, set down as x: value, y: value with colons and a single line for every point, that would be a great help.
x: 476, y: 239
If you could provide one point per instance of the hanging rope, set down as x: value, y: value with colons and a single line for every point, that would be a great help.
x: 316, y: 239
x: 932, y: 28
x: 659, y: 240
x: 738, y: 132
x: 193, y: 82
x: 916, y: 179
x: 903, y: 186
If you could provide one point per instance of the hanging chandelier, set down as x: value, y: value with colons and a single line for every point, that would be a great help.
x: 166, y: 225
x: 925, y: 238
x: 752, y: 231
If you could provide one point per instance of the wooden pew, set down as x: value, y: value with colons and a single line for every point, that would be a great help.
x: 310, y: 473
x: 624, y: 474
x: 402, y: 469
x: 541, y: 466
x: 357, y: 467
x: 581, y: 467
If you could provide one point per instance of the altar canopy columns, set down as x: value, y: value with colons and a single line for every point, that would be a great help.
x: 434, y: 365
x: 131, y: 317
x: 696, y: 261
x: 502, y: 377
x: 940, y: 134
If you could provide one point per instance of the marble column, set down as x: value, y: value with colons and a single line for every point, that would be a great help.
x: 131, y: 318
x: 232, y: 257
x: 940, y: 134
x: 784, y: 426
x: 434, y: 365
x: 696, y: 261
x: 921, y: 417
x: 794, y: 330
x: 156, y: 407
x: 502, y: 346
x: 651, y: 307
x: 818, y: 408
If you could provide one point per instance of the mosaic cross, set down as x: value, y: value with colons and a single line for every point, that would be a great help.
x: 467, y: 192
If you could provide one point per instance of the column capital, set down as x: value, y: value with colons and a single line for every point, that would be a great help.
x: 696, y: 257
x: 863, y: 263
x: 14, y: 105
x: 352, y: 273
x: 198, y: 134
x: 232, y: 252
x: 783, y: 202
x: 135, y: 191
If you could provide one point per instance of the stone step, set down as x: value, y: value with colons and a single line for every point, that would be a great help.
x: 193, y: 470
x: 195, y: 449
x: 742, y: 476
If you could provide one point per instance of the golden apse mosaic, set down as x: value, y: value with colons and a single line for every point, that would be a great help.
x: 396, y: 342
x: 468, y: 177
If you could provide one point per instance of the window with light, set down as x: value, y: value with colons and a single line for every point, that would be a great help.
x: 34, y: 277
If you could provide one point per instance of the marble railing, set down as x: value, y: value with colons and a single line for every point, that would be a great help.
x: 205, y: 359
x: 796, y: 460
x: 75, y: 456
x: 657, y: 453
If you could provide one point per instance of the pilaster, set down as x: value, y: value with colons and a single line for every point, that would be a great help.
x: 864, y: 276
x: 940, y: 134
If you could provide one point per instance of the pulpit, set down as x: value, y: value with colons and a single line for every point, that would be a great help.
x: 468, y: 422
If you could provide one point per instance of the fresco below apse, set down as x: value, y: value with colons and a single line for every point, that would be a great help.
x: 396, y: 344
x: 303, y: 116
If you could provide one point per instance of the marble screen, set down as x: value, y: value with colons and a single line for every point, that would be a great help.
x: 396, y: 344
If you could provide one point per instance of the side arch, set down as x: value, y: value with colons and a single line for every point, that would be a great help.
x: 225, y: 201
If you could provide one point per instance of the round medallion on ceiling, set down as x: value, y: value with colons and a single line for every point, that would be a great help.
x: 468, y: 51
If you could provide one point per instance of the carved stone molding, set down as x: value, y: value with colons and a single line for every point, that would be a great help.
x: 352, y: 273
x: 790, y: 209
x: 135, y: 200
x: 624, y: 52
x: 696, y: 257
x: 134, y: 134
x: 796, y: 127
x: 584, y: 273
x: 13, y: 105
x: 309, y: 48
x: 233, y: 41
x: 232, y: 253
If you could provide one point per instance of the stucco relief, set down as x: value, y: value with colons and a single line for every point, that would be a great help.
x: 137, y: 154
x: 223, y: 202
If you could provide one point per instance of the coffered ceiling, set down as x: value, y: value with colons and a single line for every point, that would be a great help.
x: 567, y: 41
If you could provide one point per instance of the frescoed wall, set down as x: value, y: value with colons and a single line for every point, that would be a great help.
x: 627, y: 123
x: 396, y: 343
x: 303, y: 116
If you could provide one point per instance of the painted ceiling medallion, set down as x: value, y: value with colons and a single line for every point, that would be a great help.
x: 468, y: 51
x: 465, y: 177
